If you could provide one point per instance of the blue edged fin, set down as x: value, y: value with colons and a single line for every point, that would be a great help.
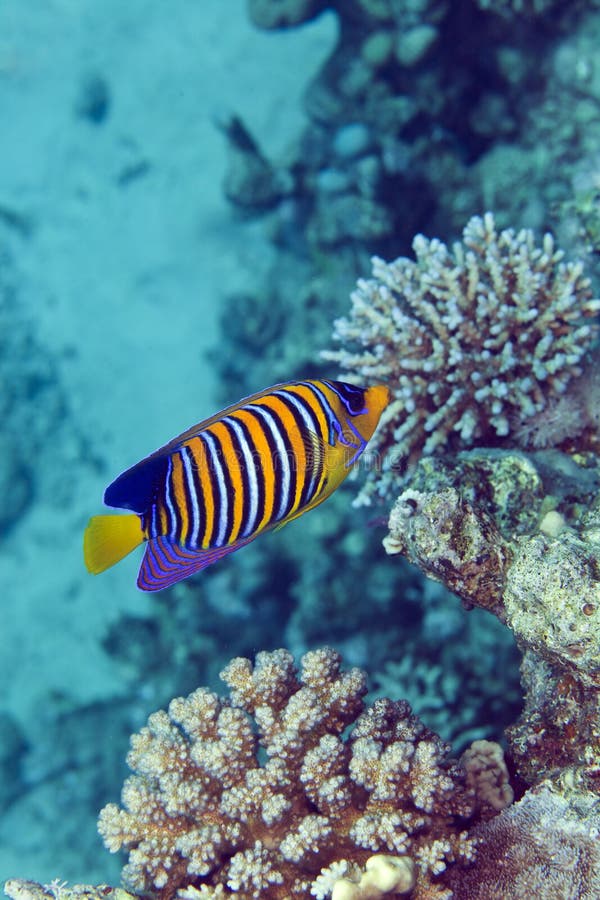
x: 165, y: 562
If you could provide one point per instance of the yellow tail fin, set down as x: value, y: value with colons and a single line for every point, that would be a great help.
x: 107, y: 539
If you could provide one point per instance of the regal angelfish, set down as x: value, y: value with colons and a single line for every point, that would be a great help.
x: 255, y: 466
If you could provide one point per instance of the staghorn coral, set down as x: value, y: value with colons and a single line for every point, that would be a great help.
x: 468, y: 339
x: 262, y: 795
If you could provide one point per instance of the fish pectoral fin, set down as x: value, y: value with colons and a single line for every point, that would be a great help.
x: 166, y: 562
x: 107, y: 539
x: 314, y: 448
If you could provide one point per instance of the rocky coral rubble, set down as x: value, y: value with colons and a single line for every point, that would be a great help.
x: 518, y: 534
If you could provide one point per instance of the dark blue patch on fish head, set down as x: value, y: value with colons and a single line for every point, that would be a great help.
x: 352, y: 396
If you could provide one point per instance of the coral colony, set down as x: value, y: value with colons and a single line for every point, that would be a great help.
x: 317, y: 809
x: 471, y: 340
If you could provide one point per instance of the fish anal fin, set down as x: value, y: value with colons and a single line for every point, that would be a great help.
x: 166, y: 562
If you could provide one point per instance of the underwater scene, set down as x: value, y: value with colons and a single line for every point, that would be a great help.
x: 300, y: 449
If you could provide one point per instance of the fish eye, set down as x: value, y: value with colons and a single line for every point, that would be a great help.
x: 352, y: 396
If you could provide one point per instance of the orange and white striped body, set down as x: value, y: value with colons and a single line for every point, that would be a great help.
x: 253, y: 467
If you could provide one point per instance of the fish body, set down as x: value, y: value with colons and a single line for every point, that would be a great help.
x: 252, y: 467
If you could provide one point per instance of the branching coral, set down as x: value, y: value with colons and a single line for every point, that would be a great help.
x: 544, y: 846
x: 262, y: 795
x: 468, y: 339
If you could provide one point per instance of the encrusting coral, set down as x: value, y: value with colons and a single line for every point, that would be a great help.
x: 469, y: 340
x: 488, y: 776
x: 545, y: 846
x: 262, y: 794
x: 518, y: 534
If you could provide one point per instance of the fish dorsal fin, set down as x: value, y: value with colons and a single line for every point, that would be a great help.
x: 195, y: 430
x: 136, y: 488
x: 165, y: 562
